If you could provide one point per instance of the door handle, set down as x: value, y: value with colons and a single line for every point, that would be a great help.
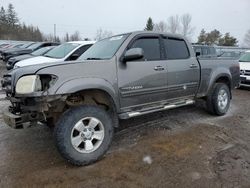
x: 193, y: 66
x: 159, y: 68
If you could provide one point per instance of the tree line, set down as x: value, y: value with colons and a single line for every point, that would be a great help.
x: 12, y: 29
x: 215, y: 37
x: 182, y: 25
x: 174, y: 24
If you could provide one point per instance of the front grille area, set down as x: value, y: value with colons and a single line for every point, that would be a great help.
x: 6, y: 84
x: 245, y: 72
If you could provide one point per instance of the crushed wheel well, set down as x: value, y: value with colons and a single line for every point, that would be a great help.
x: 95, y: 97
x: 91, y: 97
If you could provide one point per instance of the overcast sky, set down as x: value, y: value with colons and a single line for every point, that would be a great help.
x: 121, y: 16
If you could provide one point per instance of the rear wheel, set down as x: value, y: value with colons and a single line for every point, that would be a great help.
x: 83, y: 134
x: 218, y: 101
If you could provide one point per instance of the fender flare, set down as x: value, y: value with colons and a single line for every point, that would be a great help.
x: 79, y: 84
x: 216, y: 75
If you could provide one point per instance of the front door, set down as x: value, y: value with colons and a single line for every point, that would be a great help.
x: 143, y: 82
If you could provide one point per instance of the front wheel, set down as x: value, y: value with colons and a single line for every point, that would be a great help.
x: 83, y: 134
x: 218, y: 101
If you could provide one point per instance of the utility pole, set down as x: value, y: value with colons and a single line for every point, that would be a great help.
x: 54, y: 32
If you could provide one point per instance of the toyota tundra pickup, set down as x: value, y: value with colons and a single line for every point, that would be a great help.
x: 119, y: 77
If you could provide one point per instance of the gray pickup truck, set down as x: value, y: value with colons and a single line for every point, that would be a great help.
x: 119, y: 77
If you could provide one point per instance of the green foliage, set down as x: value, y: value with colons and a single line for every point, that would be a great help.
x: 215, y: 37
x: 202, y: 37
x: 149, y: 25
x: 12, y: 29
x: 228, y: 40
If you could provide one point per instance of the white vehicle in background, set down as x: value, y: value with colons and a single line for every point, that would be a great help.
x: 245, y: 69
x: 69, y: 51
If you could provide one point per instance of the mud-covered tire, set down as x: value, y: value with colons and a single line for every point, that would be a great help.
x: 218, y: 100
x: 68, y: 126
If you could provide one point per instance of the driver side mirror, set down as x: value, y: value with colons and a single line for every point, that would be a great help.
x: 133, y: 54
x: 197, y: 54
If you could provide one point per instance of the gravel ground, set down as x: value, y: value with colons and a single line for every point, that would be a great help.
x: 184, y: 147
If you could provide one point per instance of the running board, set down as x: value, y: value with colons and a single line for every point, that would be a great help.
x: 166, y: 107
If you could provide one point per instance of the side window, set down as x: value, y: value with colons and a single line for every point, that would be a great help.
x: 176, y: 48
x: 150, y: 46
x: 197, y: 49
x: 45, y: 45
x: 205, y: 51
x: 212, y: 51
x: 79, y: 52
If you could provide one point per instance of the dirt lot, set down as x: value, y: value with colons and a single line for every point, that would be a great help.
x: 184, y: 147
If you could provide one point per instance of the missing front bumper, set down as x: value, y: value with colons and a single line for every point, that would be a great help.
x: 21, y: 121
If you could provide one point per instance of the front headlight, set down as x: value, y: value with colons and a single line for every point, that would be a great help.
x: 28, y: 84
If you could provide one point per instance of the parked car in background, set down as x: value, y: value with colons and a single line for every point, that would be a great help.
x: 205, y: 51
x: 231, y: 54
x: 69, y: 51
x: 24, y: 46
x: 245, y: 69
x: 16, y: 45
x: 6, y: 55
x: 3, y: 45
x: 40, y: 52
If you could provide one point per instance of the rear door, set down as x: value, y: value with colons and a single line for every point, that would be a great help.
x: 182, y: 70
x: 143, y: 82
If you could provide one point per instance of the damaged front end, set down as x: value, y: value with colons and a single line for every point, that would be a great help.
x: 30, y: 101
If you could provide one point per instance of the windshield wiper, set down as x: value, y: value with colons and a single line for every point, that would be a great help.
x: 47, y: 56
x: 94, y: 58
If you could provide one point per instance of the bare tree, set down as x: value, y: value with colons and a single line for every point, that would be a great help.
x: 66, y: 37
x: 247, y: 38
x: 173, y: 24
x: 186, y: 29
x: 161, y: 27
x: 75, y: 36
x: 100, y: 34
x: 48, y: 37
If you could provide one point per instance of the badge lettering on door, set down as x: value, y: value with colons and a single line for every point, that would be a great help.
x: 132, y: 87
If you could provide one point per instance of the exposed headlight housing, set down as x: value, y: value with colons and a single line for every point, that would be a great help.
x: 28, y: 84
x: 35, y: 83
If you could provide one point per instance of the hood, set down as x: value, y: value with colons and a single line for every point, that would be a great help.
x: 49, y: 68
x: 18, y: 50
x: 26, y: 70
x: 37, y: 60
x: 245, y: 65
x: 8, y: 49
x: 21, y: 57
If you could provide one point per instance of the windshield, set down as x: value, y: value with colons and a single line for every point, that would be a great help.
x: 16, y: 45
x: 62, y: 50
x: 104, y: 49
x: 27, y: 44
x: 245, y: 57
x: 41, y: 51
x: 230, y: 54
x: 34, y: 46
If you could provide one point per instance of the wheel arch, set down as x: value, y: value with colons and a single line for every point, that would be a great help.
x: 88, y: 85
x: 222, y: 78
